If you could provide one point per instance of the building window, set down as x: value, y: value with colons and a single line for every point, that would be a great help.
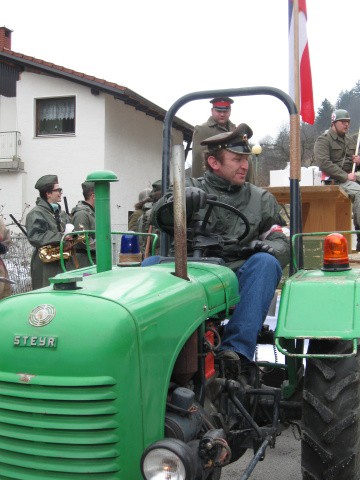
x: 55, y: 116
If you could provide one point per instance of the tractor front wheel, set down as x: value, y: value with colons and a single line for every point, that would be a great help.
x: 331, y: 403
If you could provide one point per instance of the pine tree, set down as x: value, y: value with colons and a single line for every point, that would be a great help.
x: 323, y: 117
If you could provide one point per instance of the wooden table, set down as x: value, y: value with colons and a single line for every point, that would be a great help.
x: 325, y: 208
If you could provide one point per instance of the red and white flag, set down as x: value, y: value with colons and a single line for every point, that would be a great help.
x: 305, y: 81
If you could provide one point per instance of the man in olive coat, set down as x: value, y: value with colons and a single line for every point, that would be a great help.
x: 144, y: 222
x: 5, y: 242
x: 259, y: 257
x: 83, y: 218
x: 45, y: 225
x: 140, y: 207
x: 218, y: 122
x: 334, y: 154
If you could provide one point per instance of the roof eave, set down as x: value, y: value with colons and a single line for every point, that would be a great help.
x: 121, y: 93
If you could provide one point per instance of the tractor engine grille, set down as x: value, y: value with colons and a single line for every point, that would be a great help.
x: 58, y: 430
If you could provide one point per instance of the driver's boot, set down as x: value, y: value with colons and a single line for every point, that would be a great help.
x: 233, y: 365
x: 229, y: 364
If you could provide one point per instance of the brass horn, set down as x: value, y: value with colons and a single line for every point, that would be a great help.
x: 51, y: 253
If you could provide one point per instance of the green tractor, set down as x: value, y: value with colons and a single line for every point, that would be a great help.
x: 109, y: 373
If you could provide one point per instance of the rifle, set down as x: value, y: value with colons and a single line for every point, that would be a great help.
x: 18, y: 224
x: 66, y: 206
x: 73, y: 250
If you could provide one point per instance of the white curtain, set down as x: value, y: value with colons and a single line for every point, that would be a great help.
x: 57, y: 109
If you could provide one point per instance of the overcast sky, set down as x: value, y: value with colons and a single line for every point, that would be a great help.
x: 164, y: 49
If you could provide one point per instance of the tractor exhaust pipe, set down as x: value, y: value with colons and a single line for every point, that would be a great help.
x: 178, y: 159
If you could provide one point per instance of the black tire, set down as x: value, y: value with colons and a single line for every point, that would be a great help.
x: 331, y: 402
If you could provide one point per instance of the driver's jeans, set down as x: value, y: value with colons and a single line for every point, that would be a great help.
x: 258, y: 278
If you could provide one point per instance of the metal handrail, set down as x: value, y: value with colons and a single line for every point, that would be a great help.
x: 9, y: 144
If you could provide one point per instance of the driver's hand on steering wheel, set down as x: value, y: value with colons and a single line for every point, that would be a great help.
x: 256, y: 246
x: 195, y: 199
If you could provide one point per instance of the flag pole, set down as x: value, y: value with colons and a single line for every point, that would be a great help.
x: 296, y: 54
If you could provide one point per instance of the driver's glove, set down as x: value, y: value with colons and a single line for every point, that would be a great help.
x: 195, y: 199
x: 254, y: 247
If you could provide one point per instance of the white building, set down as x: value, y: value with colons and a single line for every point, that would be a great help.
x: 57, y: 121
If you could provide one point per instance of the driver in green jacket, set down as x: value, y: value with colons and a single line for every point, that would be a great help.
x: 258, y: 258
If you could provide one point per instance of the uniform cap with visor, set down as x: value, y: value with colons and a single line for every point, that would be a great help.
x: 340, y: 115
x: 236, y: 141
x: 222, y: 104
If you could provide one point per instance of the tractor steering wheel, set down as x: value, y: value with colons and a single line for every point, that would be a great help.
x: 211, y: 201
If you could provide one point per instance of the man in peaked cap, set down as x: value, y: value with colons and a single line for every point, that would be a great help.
x: 258, y: 258
x: 218, y: 122
x: 83, y: 218
x: 45, y: 225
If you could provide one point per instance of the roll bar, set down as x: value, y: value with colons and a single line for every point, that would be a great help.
x: 295, y: 162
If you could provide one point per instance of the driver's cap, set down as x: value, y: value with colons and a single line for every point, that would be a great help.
x: 236, y: 141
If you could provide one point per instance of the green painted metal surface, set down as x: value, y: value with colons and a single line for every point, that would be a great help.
x: 317, y: 304
x: 75, y: 407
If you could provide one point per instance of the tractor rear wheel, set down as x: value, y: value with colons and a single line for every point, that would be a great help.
x: 331, y: 403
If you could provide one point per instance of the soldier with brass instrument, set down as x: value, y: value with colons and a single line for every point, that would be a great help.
x: 45, y: 225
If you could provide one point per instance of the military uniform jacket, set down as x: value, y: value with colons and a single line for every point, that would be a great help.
x: 134, y: 218
x: 45, y: 227
x: 83, y: 218
x: 333, y: 155
x: 5, y: 242
x: 259, y: 207
x: 207, y: 130
x: 201, y: 132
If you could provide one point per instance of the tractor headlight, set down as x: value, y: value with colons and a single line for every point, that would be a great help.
x: 168, y: 459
